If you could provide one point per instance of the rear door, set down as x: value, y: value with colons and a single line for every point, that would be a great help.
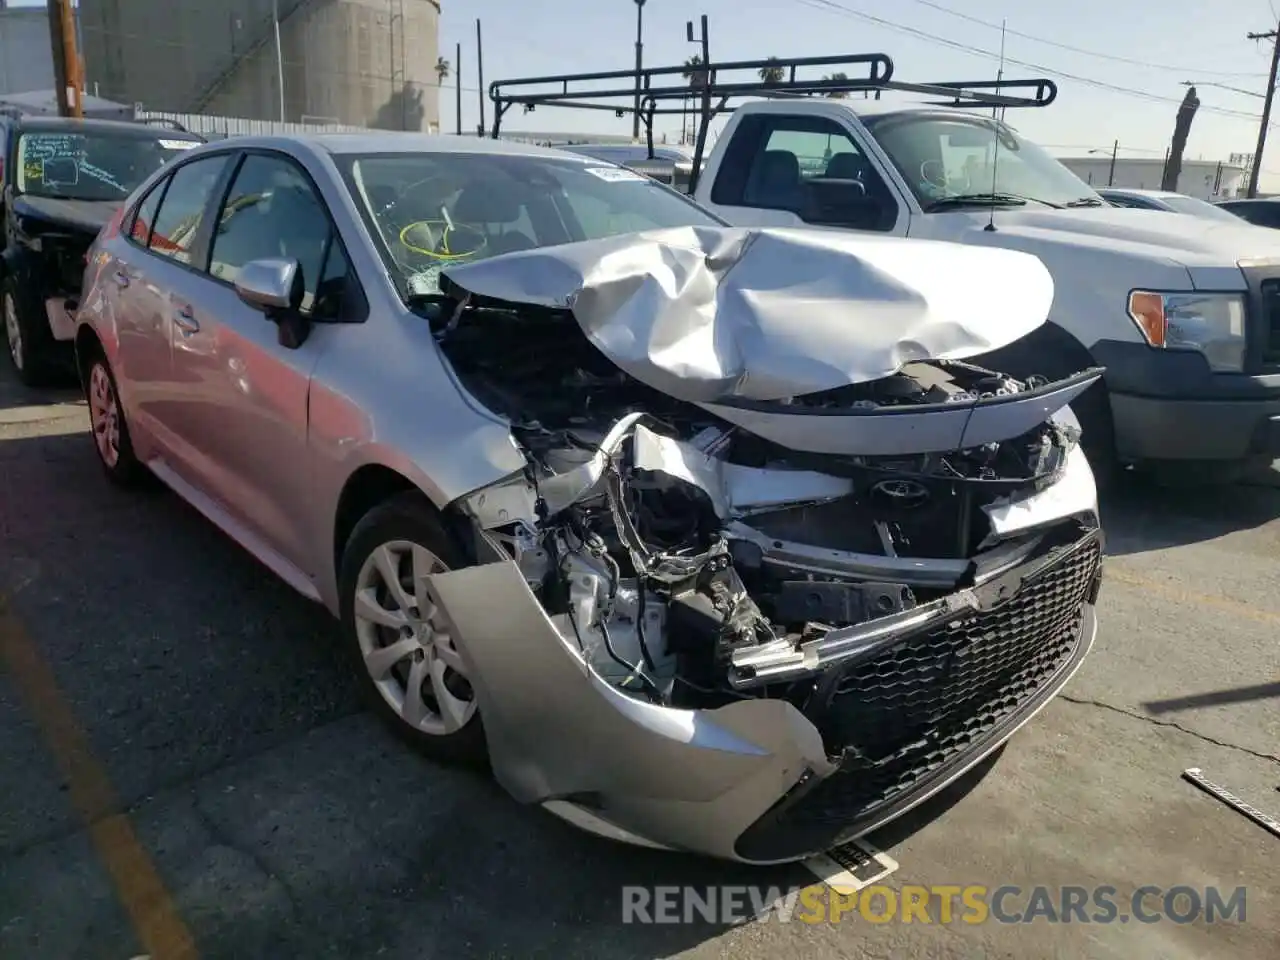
x: 148, y: 262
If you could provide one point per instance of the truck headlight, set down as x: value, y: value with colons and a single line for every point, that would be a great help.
x: 1212, y: 323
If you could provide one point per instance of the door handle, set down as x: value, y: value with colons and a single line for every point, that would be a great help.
x: 122, y: 279
x: 186, y: 321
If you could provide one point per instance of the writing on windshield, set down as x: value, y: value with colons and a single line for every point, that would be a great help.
x: 89, y: 166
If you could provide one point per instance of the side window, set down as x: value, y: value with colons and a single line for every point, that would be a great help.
x: 145, y: 215
x: 272, y: 211
x: 177, y: 222
x: 778, y: 162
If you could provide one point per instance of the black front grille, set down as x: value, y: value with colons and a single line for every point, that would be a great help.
x: 1271, y: 316
x: 928, y: 702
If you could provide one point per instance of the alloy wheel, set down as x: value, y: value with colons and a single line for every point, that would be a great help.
x: 405, y: 641
x: 104, y: 415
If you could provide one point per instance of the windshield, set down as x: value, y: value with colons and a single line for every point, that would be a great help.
x: 957, y: 156
x: 431, y: 210
x: 1200, y: 208
x: 90, y: 166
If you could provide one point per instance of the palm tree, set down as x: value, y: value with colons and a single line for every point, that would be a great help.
x: 772, y: 71
x: 692, y: 73
x: 442, y: 70
x: 838, y: 94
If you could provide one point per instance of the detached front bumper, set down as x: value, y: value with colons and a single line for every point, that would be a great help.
x: 1168, y: 405
x: 761, y: 780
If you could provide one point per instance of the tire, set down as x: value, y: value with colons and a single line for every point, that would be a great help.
x: 27, y: 337
x: 1052, y: 353
x: 443, y: 723
x: 108, y: 426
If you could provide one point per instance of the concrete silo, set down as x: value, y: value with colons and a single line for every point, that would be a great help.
x: 361, y: 62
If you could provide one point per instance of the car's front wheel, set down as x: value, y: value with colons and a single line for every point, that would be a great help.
x: 26, y: 336
x: 404, y: 654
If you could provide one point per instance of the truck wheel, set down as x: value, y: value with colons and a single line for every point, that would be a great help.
x: 27, y: 334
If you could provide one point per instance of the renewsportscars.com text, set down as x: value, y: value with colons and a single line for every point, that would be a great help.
x: 970, y: 904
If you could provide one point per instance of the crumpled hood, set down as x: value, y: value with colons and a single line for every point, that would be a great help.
x: 1187, y: 240
x: 719, y: 313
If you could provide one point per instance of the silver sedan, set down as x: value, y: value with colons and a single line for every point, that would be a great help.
x: 702, y: 538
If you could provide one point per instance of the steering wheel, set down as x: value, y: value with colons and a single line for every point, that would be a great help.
x: 934, y: 173
x: 442, y: 241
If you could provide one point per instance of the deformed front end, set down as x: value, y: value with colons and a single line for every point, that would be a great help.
x: 749, y: 623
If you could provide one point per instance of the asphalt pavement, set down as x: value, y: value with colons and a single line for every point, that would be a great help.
x: 186, y: 769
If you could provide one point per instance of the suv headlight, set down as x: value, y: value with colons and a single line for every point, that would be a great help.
x: 1212, y: 323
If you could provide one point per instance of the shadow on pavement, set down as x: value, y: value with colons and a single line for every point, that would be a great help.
x: 1139, y: 516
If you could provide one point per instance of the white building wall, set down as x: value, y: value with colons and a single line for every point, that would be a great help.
x: 1197, y: 179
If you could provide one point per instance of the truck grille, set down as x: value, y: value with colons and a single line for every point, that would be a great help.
x: 927, y: 702
x: 1271, y: 313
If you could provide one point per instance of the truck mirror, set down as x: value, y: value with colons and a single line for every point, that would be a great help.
x: 831, y: 202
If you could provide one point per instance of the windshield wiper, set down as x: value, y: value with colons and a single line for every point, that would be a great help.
x: 1086, y: 202
x: 984, y: 200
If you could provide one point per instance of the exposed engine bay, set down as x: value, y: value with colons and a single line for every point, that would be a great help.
x: 682, y: 553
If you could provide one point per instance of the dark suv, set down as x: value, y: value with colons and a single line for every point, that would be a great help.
x: 63, y: 180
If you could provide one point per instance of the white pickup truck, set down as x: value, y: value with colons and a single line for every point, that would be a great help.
x: 1184, y: 313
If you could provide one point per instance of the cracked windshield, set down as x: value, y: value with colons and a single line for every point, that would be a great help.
x: 74, y: 166
x: 434, y: 211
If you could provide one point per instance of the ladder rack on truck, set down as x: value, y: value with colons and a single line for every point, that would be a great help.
x: 663, y: 90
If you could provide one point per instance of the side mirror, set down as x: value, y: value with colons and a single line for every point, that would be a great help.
x: 831, y: 202
x: 276, y: 287
x: 271, y: 285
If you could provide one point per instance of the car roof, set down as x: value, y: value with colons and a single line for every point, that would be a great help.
x: 1241, y: 201
x: 144, y: 131
x: 396, y: 142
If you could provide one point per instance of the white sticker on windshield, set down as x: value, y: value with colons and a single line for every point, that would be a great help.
x: 617, y: 174
x: 179, y: 144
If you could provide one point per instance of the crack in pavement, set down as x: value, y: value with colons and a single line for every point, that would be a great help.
x: 1173, y: 724
x: 224, y: 839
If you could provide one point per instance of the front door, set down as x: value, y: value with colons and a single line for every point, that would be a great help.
x: 245, y: 396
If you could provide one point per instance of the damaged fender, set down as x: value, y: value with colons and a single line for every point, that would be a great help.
x: 698, y: 775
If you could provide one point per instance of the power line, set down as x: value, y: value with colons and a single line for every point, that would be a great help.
x: 1147, y: 64
x: 832, y: 6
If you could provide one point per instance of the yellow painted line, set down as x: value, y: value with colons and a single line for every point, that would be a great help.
x: 153, y: 914
x: 1225, y: 604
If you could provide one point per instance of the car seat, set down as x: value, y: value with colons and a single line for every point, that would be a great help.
x: 774, y: 181
x: 494, y: 203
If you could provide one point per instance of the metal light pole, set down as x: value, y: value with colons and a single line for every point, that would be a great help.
x: 635, y: 120
x: 1111, y: 174
x: 275, y: 18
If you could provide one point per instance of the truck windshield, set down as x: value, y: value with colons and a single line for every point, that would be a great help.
x: 90, y: 166
x: 435, y: 210
x: 957, y: 157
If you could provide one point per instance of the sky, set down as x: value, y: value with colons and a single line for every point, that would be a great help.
x: 1118, y: 64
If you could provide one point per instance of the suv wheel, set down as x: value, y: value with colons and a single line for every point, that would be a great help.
x: 405, y: 658
x: 26, y: 338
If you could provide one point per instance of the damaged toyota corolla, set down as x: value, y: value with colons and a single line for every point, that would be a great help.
x: 709, y: 539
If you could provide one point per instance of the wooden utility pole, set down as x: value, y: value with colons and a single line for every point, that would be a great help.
x: 68, y: 77
x: 1256, y: 166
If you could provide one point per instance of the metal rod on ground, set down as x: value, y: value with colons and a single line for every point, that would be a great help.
x: 275, y: 21
x: 480, y: 73
x: 1256, y: 166
x: 457, y: 84
x: 1268, y: 823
